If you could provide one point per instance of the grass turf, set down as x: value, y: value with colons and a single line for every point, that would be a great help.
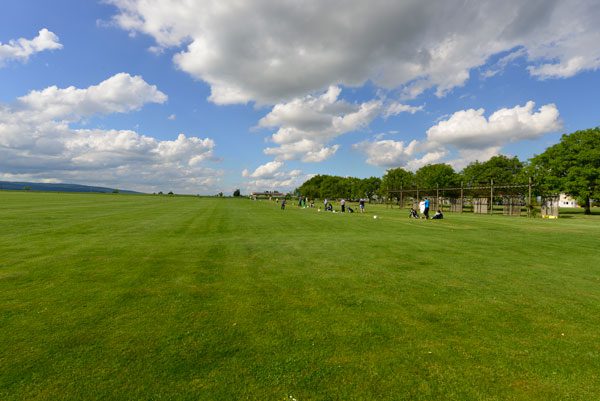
x: 156, y: 297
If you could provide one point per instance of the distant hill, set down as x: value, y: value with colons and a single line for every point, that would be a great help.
x: 39, y: 186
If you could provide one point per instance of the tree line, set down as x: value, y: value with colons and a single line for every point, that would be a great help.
x: 571, y: 166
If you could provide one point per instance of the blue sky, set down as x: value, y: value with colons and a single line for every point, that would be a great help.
x: 203, y: 97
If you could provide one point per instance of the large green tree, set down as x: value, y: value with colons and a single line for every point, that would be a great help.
x: 311, y: 187
x: 433, y: 176
x: 501, y: 169
x: 395, y: 179
x: 332, y: 187
x: 355, y: 188
x: 369, y: 187
x: 571, y: 166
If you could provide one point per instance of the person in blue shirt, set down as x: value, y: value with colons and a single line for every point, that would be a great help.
x: 426, y: 212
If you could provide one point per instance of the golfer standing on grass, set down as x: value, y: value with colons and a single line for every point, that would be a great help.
x: 426, y: 212
x: 361, y: 204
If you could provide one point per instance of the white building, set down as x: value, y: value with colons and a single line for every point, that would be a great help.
x: 566, y: 201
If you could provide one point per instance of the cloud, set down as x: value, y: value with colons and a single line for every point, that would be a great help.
x: 306, y: 150
x: 390, y: 153
x: 285, y: 50
x: 280, y: 181
x: 470, y: 129
x: 387, y: 153
x: 466, y: 156
x: 267, y: 170
x: 172, y: 117
x: 503, y: 62
x: 38, y: 143
x: 465, y: 136
x: 270, y: 177
x: 120, y: 93
x: 395, y: 108
x: 21, y: 49
x: 564, y: 69
x: 427, y: 158
x: 306, y: 125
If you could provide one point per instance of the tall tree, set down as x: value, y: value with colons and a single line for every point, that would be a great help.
x: 395, y: 179
x: 439, y: 175
x: 328, y: 186
x: 332, y: 187
x: 501, y: 169
x: 355, y: 188
x: 370, y: 186
x: 572, y: 166
x: 312, y: 187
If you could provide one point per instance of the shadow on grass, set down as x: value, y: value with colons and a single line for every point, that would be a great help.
x: 577, y: 212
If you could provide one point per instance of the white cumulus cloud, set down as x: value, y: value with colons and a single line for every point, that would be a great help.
x: 37, y: 142
x: 272, y: 52
x: 267, y: 170
x: 465, y: 136
x: 279, y: 181
x: 470, y: 129
x: 21, y: 49
x: 388, y: 153
x: 307, y: 125
x: 466, y: 156
x: 120, y: 93
x: 427, y: 158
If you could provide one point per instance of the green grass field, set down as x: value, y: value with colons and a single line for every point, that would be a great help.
x: 183, y: 298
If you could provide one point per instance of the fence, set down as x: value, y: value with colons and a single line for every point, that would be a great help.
x: 510, y: 199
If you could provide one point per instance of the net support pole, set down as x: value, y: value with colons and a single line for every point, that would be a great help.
x: 529, y: 205
x: 492, y: 196
x: 401, y: 198
x: 462, y: 197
